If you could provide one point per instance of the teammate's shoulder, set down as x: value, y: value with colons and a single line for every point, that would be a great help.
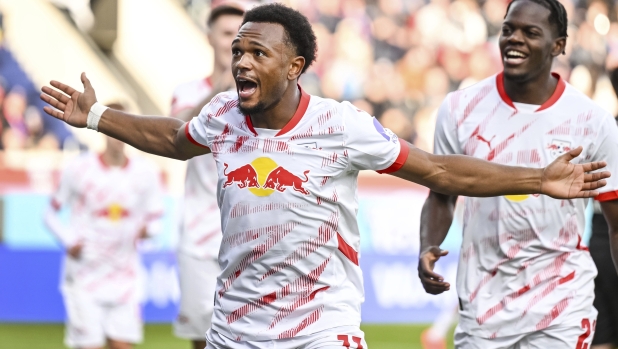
x: 470, y: 90
x: 572, y: 97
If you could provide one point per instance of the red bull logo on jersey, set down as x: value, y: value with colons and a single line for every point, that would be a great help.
x: 113, y: 212
x: 558, y: 147
x: 263, y: 176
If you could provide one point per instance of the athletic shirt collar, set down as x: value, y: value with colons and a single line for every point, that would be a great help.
x: 300, y: 112
x: 560, y: 87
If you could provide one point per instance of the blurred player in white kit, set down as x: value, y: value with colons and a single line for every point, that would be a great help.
x: 114, y: 202
x: 201, y: 222
x: 524, y: 280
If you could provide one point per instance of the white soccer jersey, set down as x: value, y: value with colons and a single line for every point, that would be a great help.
x: 109, y: 206
x: 289, y: 255
x: 200, y: 235
x: 522, y: 266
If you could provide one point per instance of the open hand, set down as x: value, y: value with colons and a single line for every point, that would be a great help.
x: 564, y: 180
x: 71, y: 106
x: 432, y: 283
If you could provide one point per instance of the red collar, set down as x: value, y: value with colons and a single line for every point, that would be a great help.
x: 300, y: 112
x: 208, y: 81
x: 106, y: 166
x: 548, y: 103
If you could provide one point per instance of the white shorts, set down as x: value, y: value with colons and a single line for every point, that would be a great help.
x: 553, y: 337
x: 198, y: 281
x: 334, y: 338
x: 90, y: 323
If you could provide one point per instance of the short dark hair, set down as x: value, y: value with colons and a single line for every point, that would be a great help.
x: 297, y: 28
x: 222, y: 10
x: 557, y: 15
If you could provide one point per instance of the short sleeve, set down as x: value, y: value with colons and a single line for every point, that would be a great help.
x: 608, y: 151
x: 445, y: 138
x: 198, y: 129
x: 370, y: 146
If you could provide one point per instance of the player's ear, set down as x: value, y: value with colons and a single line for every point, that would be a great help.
x: 559, y: 46
x: 296, y: 67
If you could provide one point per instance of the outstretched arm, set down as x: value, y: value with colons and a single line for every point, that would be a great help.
x: 153, y: 134
x: 465, y: 175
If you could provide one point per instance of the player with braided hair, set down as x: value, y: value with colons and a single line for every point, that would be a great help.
x: 524, y: 280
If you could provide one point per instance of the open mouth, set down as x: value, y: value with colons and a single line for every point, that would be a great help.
x: 515, y: 57
x: 246, y: 87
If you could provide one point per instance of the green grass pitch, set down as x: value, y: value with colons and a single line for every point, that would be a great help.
x: 49, y: 336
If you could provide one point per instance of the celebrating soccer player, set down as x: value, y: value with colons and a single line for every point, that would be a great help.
x: 288, y: 164
x: 200, y: 236
x: 114, y: 202
x: 525, y: 280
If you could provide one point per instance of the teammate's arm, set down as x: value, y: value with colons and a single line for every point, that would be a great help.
x: 436, y: 219
x: 153, y: 134
x: 466, y: 175
x: 610, y: 211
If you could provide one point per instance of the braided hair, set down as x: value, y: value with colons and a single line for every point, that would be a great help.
x: 557, y: 16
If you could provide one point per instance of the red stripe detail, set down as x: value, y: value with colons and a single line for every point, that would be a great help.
x: 609, y: 196
x: 474, y: 102
x: 553, y: 314
x: 191, y: 139
x: 404, y: 150
x: 300, y: 111
x: 275, y: 235
x: 326, y: 231
x: 313, y: 317
x: 560, y: 87
x: 347, y: 250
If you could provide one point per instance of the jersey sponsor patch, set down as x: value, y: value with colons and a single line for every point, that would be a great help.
x: 558, y: 147
x: 386, y: 133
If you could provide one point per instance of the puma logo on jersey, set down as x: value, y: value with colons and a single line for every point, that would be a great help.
x: 488, y: 142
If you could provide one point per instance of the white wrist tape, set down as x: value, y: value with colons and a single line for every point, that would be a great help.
x: 94, y: 116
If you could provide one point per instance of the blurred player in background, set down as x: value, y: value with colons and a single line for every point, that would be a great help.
x: 200, y: 236
x: 114, y: 202
x: 288, y: 164
x: 524, y: 278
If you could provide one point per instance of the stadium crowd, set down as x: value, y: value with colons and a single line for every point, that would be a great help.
x: 398, y: 59
x: 395, y: 59
x: 23, y: 124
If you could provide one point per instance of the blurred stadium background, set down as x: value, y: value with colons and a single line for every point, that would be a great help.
x: 396, y: 59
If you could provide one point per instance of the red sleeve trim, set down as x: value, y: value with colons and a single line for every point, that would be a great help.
x: 191, y: 139
x: 347, y: 250
x: 609, y: 196
x: 401, y: 158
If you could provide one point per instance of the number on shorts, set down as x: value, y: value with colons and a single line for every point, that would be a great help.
x: 346, y: 341
x: 584, y: 336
